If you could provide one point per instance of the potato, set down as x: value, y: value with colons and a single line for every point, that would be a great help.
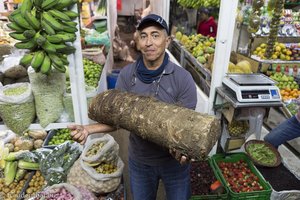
x: 38, y: 143
x: 10, y: 146
x: 37, y: 134
x: 24, y: 144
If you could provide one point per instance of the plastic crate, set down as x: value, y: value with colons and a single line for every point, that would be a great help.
x: 213, y: 196
x: 234, y: 157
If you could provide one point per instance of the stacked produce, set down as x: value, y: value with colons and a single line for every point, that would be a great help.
x: 238, y: 128
x: 289, y: 88
x: 60, y: 136
x: 239, y: 177
x: 44, y: 28
x: 201, y: 47
x: 92, y: 72
x: 12, y: 190
x: 280, y: 51
x: 36, y: 184
x: 274, y: 27
x: 254, y: 17
x: 243, y: 67
x: 198, y: 3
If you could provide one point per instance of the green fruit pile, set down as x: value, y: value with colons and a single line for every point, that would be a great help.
x: 61, y: 136
x: 284, y: 81
x: 105, y: 168
x: 198, y: 3
x: 92, y: 72
x: 44, y: 27
x: 238, y: 128
x: 201, y: 47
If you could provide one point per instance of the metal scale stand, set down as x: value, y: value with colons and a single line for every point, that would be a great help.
x: 244, y: 97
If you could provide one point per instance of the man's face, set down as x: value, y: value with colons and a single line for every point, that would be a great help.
x: 152, y: 42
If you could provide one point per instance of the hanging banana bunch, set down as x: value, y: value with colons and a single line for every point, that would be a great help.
x: 46, y: 28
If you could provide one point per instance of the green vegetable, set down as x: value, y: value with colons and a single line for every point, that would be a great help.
x: 10, y: 171
x: 13, y: 156
x: 15, y: 91
x: 28, y: 165
x: 262, y: 153
x: 20, y: 174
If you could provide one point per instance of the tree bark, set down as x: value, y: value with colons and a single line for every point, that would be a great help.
x: 190, y: 133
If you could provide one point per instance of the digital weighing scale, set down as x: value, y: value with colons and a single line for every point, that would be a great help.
x: 250, y: 88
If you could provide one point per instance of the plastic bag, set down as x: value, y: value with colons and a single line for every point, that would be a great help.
x: 98, y: 150
x: 95, y: 54
x: 86, y: 194
x: 59, y: 191
x: 48, y: 93
x: 56, y: 165
x: 68, y: 102
x: 17, y: 108
x: 79, y: 177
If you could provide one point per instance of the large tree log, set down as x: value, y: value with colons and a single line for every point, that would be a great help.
x: 185, y: 130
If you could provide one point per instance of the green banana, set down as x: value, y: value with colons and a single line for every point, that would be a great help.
x: 19, y: 19
x: 26, y: 6
x: 29, y: 33
x: 49, y: 4
x: 66, y: 50
x: 71, y: 13
x: 37, y: 60
x: 70, y: 23
x: 10, y: 171
x: 40, y: 40
x: 64, y: 4
x: 26, y: 60
x: 49, y: 30
x: 59, y: 15
x: 56, y: 60
x: 38, y: 3
x: 64, y: 59
x: 18, y: 36
x: 70, y: 29
x: 59, y: 68
x: 48, y: 47
x: 10, y: 16
x: 56, y: 25
x: 34, y: 22
x: 67, y: 37
x: 14, y: 26
x: 54, y: 39
x: 31, y: 44
x: 46, y: 65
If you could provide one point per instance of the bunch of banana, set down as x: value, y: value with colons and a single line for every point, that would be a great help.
x: 46, y: 28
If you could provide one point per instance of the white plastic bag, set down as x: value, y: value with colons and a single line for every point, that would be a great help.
x: 48, y: 93
x: 99, y: 150
x: 17, y: 108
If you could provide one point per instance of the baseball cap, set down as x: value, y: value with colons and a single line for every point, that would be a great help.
x: 154, y: 19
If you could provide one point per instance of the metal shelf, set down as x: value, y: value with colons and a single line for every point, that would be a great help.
x: 275, y: 61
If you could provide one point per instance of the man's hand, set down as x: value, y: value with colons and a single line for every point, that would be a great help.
x: 78, y: 133
x: 178, y: 156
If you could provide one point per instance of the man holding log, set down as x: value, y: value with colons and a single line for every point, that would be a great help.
x: 153, y: 74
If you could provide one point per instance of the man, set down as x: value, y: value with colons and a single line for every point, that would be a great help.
x: 287, y: 130
x: 153, y: 74
x: 207, y: 25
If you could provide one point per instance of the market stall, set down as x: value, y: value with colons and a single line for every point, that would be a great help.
x: 43, y: 160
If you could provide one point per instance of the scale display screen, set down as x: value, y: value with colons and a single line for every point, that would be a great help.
x: 256, y: 94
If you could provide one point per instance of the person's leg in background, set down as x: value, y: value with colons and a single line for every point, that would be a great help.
x: 176, y: 179
x: 143, y: 181
x: 287, y: 130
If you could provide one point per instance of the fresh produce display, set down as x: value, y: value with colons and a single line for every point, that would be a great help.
x: 239, y: 177
x: 238, y: 127
x: 254, y: 17
x: 169, y: 128
x: 95, y: 148
x: 202, y: 176
x: 198, y: 3
x: 60, y: 136
x: 36, y: 184
x: 201, y: 47
x: 243, y: 67
x: 292, y: 107
x: 12, y: 190
x: 92, y: 72
x: 44, y: 28
x: 105, y: 168
x: 274, y: 27
x: 280, y: 51
x: 261, y: 153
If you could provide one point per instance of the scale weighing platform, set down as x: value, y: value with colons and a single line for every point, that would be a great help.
x: 247, y: 88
